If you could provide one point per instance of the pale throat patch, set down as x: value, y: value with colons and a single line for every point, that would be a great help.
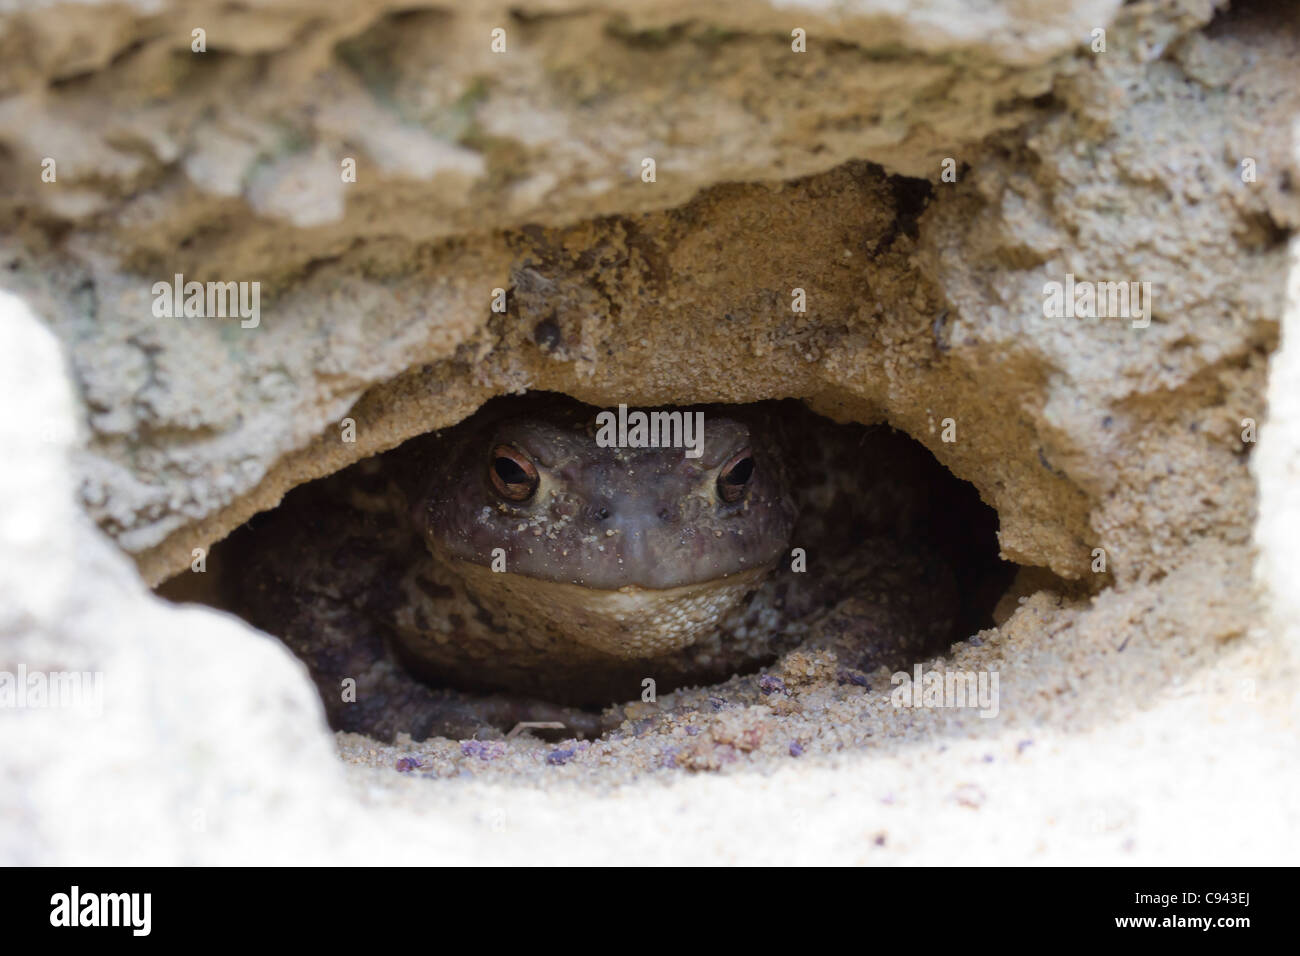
x: 631, y: 622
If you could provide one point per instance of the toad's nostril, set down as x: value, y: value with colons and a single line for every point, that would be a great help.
x: 665, y: 514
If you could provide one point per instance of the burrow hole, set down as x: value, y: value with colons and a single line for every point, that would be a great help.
x: 886, y: 532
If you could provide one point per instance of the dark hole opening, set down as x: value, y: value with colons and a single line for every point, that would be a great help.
x: 893, y: 545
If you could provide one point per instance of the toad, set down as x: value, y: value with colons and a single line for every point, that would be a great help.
x: 540, y: 570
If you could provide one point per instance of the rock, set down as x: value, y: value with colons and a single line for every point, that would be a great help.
x: 133, y: 439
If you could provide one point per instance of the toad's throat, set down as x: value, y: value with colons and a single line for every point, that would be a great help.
x: 630, y: 622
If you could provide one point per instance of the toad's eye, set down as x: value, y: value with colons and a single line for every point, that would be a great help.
x: 734, y: 477
x: 513, y: 474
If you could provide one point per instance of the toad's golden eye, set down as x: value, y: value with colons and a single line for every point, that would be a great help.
x: 734, y: 477
x: 512, y: 473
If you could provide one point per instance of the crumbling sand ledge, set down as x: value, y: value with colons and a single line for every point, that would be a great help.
x: 1152, y: 722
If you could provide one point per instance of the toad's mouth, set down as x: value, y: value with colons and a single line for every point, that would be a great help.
x: 628, y: 622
